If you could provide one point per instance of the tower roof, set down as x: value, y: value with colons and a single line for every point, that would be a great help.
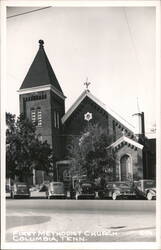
x: 40, y: 72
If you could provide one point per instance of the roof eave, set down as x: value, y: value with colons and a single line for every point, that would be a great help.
x: 125, y: 139
x: 102, y: 105
x: 73, y: 107
x: 41, y: 88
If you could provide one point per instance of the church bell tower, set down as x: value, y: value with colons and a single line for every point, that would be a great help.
x: 42, y: 101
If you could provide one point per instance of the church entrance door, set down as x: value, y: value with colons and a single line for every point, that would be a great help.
x: 125, y: 167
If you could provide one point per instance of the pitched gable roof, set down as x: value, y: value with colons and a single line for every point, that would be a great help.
x: 127, y: 140
x: 87, y: 93
x: 40, y: 72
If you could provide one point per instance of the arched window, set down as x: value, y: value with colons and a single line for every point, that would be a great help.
x: 36, y: 116
x: 126, y: 168
x: 33, y: 115
x: 56, y: 119
x: 39, y: 117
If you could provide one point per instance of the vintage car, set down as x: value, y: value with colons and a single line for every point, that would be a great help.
x: 84, y: 189
x: 146, y: 189
x: 20, y: 189
x: 56, y: 190
x: 116, y: 190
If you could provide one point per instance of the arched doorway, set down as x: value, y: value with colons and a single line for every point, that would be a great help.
x: 125, y: 168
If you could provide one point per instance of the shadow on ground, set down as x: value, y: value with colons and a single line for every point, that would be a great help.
x: 16, y: 221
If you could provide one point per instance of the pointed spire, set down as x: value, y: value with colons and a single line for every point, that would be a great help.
x: 41, y: 42
x: 40, y: 72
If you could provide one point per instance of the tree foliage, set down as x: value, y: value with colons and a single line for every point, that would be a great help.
x: 24, y: 152
x: 89, y: 155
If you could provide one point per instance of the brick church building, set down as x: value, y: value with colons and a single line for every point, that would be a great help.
x: 43, y: 100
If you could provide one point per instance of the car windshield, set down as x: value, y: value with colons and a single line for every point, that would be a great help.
x: 87, y: 184
x: 149, y: 184
x: 21, y: 185
x: 119, y: 184
x: 56, y: 184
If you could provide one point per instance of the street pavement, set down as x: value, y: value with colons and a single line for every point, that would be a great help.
x: 40, y: 220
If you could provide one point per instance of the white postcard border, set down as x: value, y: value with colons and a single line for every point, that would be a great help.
x: 84, y: 3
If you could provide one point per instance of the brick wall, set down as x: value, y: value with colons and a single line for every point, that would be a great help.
x: 76, y: 123
x: 38, y: 100
x: 48, y: 102
x: 57, y: 105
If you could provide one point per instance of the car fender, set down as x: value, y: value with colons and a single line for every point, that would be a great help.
x: 117, y: 192
x: 152, y: 192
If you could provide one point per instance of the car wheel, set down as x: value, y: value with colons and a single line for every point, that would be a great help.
x: 114, y: 196
x: 149, y: 196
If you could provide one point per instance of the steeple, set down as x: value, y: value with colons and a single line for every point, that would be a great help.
x: 40, y: 72
x: 87, y: 83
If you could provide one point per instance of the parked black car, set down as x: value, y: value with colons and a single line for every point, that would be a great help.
x: 116, y: 190
x: 84, y: 189
x: 146, y: 189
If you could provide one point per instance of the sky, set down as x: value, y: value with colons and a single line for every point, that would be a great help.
x: 113, y: 46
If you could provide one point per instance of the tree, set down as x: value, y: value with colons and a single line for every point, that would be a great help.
x: 24, y: 152
x: 89, y: 155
